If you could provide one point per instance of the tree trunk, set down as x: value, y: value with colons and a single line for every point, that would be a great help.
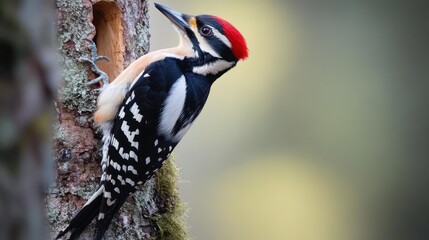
x: 121, y: 31
x: 28, y: 83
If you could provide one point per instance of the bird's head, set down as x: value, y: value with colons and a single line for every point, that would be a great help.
x: 210, y: 37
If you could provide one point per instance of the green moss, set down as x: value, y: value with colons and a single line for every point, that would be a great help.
x: 171, y: 223
x: 159, y: 202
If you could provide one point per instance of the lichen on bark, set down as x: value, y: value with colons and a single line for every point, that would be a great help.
x: 74, y: 25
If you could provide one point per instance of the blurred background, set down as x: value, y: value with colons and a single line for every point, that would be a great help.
x: 322, y: 133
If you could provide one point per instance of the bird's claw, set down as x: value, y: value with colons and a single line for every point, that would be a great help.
x: 98, y: 58
x: 102, y: 76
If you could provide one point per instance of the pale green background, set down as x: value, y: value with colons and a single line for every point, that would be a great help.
x: 321, y: 134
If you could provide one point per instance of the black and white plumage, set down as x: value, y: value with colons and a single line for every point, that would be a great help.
x: 147, y: 110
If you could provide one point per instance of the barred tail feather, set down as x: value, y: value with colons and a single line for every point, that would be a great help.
x: 106, y: 215
x: 84, y: 216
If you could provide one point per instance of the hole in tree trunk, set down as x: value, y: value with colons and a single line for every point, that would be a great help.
x: 109, y: 37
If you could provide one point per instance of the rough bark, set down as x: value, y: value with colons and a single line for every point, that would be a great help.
x: 121, y: 31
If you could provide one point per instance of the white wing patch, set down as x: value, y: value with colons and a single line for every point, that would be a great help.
x: 136, y: 112
x: 173, y: 107
x: 134, y: 155
x: 130, y: 135
x: 133, y: 170
x: 122, y: 113
x: 115, y: 143
x: 129, y: 181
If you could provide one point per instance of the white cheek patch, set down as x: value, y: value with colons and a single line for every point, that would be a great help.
x: 213, y: 67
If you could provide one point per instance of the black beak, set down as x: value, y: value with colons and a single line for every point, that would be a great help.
x: 177, y: 18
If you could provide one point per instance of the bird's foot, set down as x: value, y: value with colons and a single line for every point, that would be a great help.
x: 102, y: 76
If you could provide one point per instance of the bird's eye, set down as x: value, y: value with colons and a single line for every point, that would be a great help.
x: 206, y: 31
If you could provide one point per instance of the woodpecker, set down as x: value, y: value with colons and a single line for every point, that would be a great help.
x: 149, y: 107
